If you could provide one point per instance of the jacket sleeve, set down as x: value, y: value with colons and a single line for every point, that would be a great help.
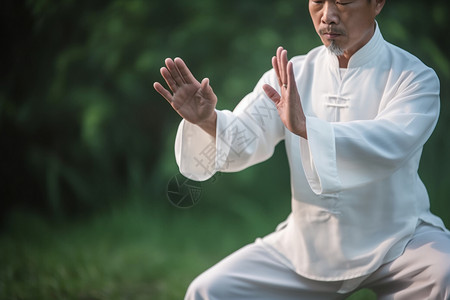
x: 244, y: 137
x: 345, y: 155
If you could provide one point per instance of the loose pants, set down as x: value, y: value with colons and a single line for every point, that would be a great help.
x: 254, y: 272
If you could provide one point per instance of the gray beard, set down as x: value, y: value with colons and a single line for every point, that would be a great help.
x: 335, y: 49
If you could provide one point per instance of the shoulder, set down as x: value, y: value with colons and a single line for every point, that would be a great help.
x: 299, y: 61
x: 409, y: 71
x: 310, y: 57
x: 307, y: 64
x: 407, y: 62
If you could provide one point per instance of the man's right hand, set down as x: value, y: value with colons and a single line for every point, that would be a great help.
x: 193, y: 101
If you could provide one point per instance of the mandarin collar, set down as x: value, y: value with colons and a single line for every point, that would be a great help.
x: 365, y: 54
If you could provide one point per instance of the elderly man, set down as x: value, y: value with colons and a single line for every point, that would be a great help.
x: 354, y: 114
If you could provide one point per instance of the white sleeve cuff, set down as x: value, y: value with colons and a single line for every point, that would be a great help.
x: 318, y: 155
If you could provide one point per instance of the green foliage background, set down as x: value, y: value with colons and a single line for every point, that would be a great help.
x: 86, y: 140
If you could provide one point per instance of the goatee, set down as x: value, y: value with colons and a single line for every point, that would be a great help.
x: 335, y: 49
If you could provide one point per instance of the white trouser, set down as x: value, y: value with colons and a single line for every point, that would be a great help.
x: 253, y: 272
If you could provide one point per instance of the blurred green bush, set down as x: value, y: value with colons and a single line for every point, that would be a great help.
x: 82, y: 127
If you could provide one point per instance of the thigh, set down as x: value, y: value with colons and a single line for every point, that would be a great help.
x: 254, y: 273
x: 421, y: 272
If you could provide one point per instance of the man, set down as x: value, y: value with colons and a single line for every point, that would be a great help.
x: 354, y: 114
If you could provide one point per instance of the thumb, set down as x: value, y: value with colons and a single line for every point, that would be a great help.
x: 272, y: 93
x: 205, y: 87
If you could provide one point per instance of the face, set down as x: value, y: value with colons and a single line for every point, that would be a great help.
x: 345, y: 25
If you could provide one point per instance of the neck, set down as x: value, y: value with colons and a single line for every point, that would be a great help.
x: 343, y: 61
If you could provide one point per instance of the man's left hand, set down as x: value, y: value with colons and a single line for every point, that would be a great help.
x: 288, y: 103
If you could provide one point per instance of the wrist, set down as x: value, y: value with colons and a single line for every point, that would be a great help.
x: 209, y: 125
x: 301, y: 131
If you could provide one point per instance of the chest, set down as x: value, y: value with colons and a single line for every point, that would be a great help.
x: 352, y: 94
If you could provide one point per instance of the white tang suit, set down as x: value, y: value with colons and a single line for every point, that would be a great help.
x: 356, y: 194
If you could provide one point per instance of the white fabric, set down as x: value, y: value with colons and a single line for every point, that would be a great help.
x: 255, y: 272
x: 356, y: 194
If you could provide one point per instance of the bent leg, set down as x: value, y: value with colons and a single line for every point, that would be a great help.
x: 254, y: 273
x: 421, y: 272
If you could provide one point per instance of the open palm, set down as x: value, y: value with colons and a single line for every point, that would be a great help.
x: 192, y: 100
x: 288, y: 103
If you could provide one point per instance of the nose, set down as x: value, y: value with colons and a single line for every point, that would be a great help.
x: 330, y: 13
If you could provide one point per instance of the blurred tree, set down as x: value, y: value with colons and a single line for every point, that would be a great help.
x: 81, y: 125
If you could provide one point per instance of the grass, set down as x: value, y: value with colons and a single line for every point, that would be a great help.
x: 111, y: 257
x: 127, y: 253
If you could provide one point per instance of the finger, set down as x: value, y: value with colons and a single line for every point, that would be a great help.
x: 169, y: 79
x: 163, y: 92
x: 277, y: 70
x: 272, y: 93
x: 184, y: 71
x: 291, y: 78
x: 170, y: 64
x: 280, y: 70
x: 283, y: 67
x: 205, y: 85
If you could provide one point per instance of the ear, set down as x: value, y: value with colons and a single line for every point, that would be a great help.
x: 379, y: 4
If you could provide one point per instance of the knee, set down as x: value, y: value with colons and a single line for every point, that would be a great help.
x: 443, y: 280
x: 198, y: 289
x: 208, y: 286
x: 439, y: 273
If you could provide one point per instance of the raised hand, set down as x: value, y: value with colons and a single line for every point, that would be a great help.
x: 192, y: 100
x: 288, y: 103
